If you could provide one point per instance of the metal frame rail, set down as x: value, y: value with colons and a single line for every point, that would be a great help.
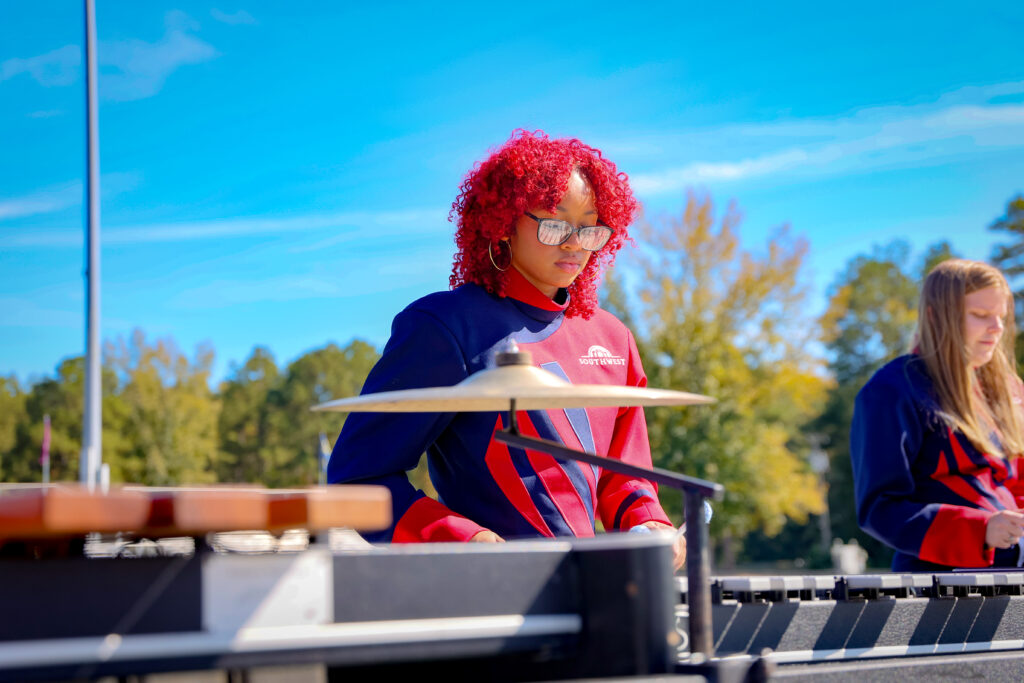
x: 550, y: 610
x: 883, y: 621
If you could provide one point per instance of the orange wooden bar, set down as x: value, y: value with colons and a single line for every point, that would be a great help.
x: 68, y: 510
x: 63, y: 510
x: 365, y: 508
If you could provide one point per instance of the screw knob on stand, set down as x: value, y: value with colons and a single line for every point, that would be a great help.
x: 509, y: 354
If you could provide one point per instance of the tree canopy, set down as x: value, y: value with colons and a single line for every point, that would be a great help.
x: 1009, y: 257
x: 163, y: 424
x: 717, y: 319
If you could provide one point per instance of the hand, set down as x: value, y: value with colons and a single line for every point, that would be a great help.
x: 1004, y: 529
x: 486, y: 536
x: 678, y: 547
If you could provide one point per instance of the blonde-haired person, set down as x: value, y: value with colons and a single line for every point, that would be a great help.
x: 936, y: 437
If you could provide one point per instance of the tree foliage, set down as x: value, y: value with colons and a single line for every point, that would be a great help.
x: 12, y: 416
x: 162, y: 424
x: 934, y: 255
x: 244, y: 427
x: 720, y: 320
x: 871, y: 313
x: 60, y: 397
x: 1009, y: 257
x: 169, y: 414
x: 318, y: 376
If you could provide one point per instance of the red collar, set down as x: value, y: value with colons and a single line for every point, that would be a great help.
x: 518, y: 287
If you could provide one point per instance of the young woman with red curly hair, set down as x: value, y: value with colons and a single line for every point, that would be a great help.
x: 537, y: 222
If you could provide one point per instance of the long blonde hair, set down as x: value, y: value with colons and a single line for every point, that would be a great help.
x: 965, y: 394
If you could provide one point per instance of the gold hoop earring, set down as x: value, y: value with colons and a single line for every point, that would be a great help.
x: 493, y: 263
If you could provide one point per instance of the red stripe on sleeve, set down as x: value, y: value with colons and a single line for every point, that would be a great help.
x: 644, y: 510
x: 428, y: 520
x: 956, y: 538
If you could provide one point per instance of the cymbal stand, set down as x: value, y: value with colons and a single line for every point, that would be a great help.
x: 698, y: 565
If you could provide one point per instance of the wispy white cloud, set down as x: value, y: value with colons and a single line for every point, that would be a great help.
x: 356, y: 275
x: 45, y: 114
x: 23, y: 312
x: 135, y: 69
x: 705, y: 171
x: 963, y: 121
x: 234, y: 19
x: 351, y: 223
x: 63, y: 195
x: 129, y: 69
x: 227, y: 292
x: 60, y: 304
x: 57, y: 67
x: 48, y: 200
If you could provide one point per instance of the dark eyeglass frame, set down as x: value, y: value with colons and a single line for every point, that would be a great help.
x: 600, y: 230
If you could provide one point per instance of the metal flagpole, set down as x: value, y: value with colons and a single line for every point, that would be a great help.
x: 92, y: 428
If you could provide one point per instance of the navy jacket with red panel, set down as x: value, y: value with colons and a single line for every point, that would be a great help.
x: 922, y: 488
x: 440, y: 340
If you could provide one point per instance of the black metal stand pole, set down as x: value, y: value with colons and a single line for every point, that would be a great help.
x: 702, y: 487
x: 698, y: 565
x: 698, y: 575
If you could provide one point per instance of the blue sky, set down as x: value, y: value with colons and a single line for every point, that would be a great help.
x: 282, y: 176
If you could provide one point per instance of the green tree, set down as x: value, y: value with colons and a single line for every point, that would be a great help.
x: 318, y: 376
x: 871, y: 312
x: 1009, y: 258
x: 244, y: 426
x: 62, y: 398
x: 720, y: 320
x: 12, y: 416
x: 934, y: 255
x: 168, y: 414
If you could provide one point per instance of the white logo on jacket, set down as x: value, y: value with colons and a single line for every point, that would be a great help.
x: 598, y: 355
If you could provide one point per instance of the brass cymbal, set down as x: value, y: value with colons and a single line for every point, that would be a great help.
x: 493, y: 389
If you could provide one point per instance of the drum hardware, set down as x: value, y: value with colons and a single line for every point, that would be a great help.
x: 512, y: 384
x: 552, y: 609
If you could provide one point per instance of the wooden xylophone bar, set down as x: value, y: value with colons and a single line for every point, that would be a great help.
x: 33, y: 512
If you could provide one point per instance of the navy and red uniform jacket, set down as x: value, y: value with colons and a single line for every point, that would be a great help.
x: 443, y: 338
x: 923, y: 488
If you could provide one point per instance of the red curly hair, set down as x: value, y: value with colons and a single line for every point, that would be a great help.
x: 529, y: 171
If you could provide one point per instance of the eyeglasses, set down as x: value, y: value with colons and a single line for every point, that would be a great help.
x: 552, y: 232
